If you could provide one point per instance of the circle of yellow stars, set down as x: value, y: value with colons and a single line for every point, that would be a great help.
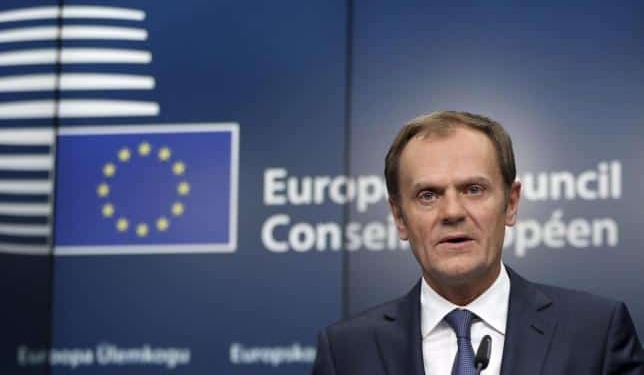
x: 123, y: 156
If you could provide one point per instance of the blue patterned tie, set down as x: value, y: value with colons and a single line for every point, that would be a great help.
x: 461, y: 322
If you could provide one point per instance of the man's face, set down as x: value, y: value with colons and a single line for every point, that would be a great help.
x: 452, y: 207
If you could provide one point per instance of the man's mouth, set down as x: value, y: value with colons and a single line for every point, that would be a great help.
x: 455, y: 240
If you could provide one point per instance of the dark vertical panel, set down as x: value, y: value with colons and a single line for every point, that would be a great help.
x: 26, y: 265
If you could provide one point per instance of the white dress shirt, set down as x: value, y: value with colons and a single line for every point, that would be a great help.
x: 439, y: 339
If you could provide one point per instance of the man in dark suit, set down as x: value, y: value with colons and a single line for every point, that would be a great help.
x: 451, y: 179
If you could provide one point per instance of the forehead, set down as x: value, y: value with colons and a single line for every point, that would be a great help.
x: 460, y: 153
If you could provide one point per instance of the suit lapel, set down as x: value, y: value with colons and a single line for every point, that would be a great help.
x: 530, y: 328
x: 398, y: 336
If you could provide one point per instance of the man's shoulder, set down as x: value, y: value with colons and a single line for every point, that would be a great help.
x: 574, y: 298
x: 569, y: 302
x: 368, y: 319
x: 562, y: 294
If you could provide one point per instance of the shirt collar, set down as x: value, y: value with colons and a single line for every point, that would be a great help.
x: 491, y: 306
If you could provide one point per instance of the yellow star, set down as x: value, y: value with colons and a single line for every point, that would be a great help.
x: 124, y: 154
x: 183, y: 188
x: 178, y: 168
x: 142, y: 230
x: 103, y: 190
x: 109, y: 169
x: 144, y: 148
x: 162, y: 224
x: 177, y: 209
x: 108, y: 210
x: 164, y: 154
x: 122, y: 224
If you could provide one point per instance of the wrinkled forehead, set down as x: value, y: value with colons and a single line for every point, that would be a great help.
x: 463, y: 137
x: 461, y: 153
x: 445, y: 129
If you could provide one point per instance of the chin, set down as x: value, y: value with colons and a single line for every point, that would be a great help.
x: 459, y: 271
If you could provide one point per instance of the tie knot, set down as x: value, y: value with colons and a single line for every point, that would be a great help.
x: 460, y: 321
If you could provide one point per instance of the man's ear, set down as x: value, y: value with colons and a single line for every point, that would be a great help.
x: 399, y: 219
x: 512, y: 206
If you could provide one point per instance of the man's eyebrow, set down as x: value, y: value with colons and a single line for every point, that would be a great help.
x: 433, y: 185
x: 424, y: 184
x: 476, y: 180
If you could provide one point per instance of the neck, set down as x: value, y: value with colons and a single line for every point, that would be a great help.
x: 462, y: 292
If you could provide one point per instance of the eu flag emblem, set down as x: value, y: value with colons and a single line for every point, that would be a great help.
x: 146, y: 189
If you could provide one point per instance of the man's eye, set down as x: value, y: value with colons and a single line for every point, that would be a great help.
x: 427, y: 195
x: 475, y: 189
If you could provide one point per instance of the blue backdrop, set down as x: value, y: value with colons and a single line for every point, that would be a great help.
x: 267, y: 218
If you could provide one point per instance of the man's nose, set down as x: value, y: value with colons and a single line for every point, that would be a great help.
x: 452, y: 210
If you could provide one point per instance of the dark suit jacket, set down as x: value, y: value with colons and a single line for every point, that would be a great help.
x: 550, y: 331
